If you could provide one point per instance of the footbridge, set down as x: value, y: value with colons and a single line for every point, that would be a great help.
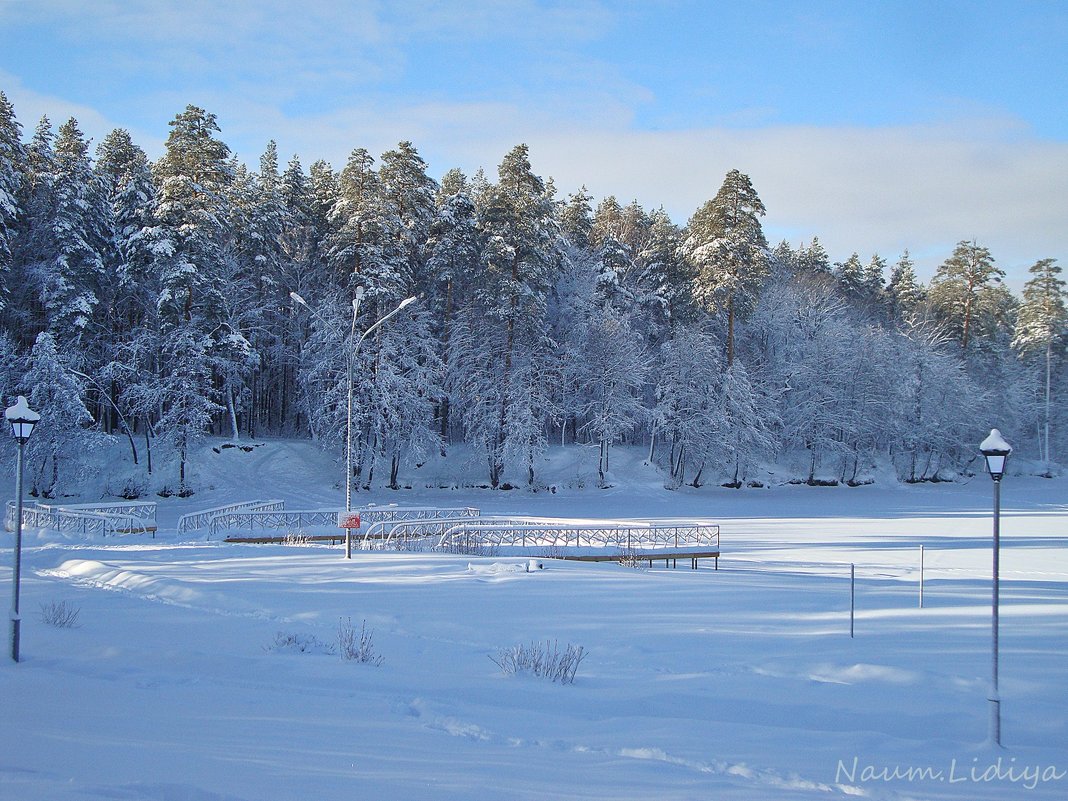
x: 586, y: 540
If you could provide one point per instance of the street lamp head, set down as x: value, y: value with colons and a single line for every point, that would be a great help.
x: 360, y: 291
x: 996, y: 452
x: 297, y: 298
x: 406, y: 302
x: 22, y: 420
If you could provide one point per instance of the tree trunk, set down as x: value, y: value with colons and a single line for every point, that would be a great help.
x: 730, y: 332
x: 231, y: 408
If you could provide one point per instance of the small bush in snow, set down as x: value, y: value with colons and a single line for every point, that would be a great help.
x: 542, y: 659
x: 632, y: 558
x: 356, y: 647
x: 295, y: 537
x: 62, y: 615
x: 300, y: 643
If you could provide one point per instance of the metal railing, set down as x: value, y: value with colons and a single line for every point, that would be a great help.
x: 408, y: 535
x: 252, y: 520
x: 263, y: 517
x: 82, y: 521
x: 198, y: 521
x: 630, y: 537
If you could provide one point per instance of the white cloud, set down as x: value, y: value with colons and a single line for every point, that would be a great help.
x: 869, y: 190
x: 858, y: 189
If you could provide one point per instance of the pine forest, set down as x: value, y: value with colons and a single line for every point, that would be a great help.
x: 155, y: 303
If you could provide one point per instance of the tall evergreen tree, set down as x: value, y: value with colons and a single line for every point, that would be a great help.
x: 74, y: 278
x: 12, y: 176
x: 1042, y: 327
x: 960, y: 284
x: 517, y: 268
x: 62, y: 435
x: 904, y: 290
x: 191, y: 238
x: 726, y: 245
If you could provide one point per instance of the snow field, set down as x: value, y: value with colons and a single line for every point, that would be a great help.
x: 740, y: 683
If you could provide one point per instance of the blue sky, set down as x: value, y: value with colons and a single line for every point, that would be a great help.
x: 876, y: 126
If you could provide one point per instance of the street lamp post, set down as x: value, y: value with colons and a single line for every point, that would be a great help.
x: 351, y: 362
x: 22, y: 420
x: 996, y: 452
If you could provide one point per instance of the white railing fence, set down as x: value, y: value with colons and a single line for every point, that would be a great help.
x: 86, y: 519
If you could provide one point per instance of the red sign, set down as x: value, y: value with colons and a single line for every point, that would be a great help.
x: 348, y: 519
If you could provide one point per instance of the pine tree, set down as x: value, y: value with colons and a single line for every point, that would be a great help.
x: 576, y: 219
x: 353, y: 248
x: 34, y: 246
x: 12, y: 173
x: 192, y: 212
x: 127, y: 364
x: 62, y: 435
x: 187, y: 394
x: 454, y: 246
x: 905, y: 291
x: 960, y: 284
x: 726, y: 245
x: 850, y: 277
x: 1042, y: 325
x: 666, y: 278
x: 517, y: 267
x: 123, y: 170
x: 813, y: 259
x: 190, y: 242
x: 75, y: 278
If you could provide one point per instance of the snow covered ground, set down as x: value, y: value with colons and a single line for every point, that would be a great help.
x: 741, y: 683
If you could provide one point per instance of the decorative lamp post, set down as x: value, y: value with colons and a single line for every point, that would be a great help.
x: 351, y: 362
x: 996, y: 452
x: 22, y: 420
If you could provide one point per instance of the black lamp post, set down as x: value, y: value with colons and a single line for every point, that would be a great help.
x: 22, y: 419
x: 996, y: 452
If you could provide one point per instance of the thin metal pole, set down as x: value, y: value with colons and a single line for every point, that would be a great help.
x: 15, y: 618
x: 852, y: 596
x: 995, y: 698
x: 352, y: 347
x: 921, y: 577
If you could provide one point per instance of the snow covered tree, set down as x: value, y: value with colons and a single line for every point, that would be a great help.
x: 74, y: 275
x: 33, y: 247
x: 62, y: 435
x: 726, y: 246
x: 12, y: 172
x: 749, y: 419
x: 850, y: 277
x: 187, y: 394
x: 454, y: 246
x: 354, y: 245
x: 939, y: 404
x: 613, y: 372
x: 813, y: 259
x: 190, y: 241
x: 666, y: 279
x: 192, y: 211
x: 688, y: 412
x: 130, y: 360
x: 960, y: 286
x: 576, y: 219
x: 126, y: 178
x: 1042, y: 327
x: 517, y: 268
x: 905, y: 292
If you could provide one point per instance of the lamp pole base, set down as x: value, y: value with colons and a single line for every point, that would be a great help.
x: 995, y: 721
